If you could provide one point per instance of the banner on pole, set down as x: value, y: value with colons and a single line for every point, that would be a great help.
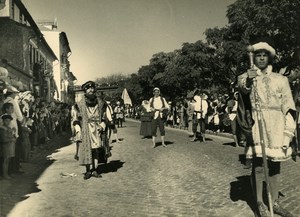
x: 126, y: 97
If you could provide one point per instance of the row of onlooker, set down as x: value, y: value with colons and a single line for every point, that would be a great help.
x: 27, y: 122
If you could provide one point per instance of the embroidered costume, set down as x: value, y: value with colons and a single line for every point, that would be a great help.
x: 276, y: 100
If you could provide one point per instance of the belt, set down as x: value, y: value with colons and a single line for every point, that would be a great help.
x: 268, y: 108
x: 92, y: 120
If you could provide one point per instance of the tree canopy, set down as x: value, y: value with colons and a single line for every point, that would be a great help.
x: 214, y: 64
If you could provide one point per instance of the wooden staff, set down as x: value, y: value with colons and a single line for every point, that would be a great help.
x: 260, y: 128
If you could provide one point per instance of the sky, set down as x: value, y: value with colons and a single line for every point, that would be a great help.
x: 119, y: 36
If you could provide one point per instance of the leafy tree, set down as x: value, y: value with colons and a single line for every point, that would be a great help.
x: 248, y: 19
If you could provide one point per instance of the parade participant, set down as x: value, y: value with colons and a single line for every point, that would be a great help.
x: 271, y: 100
x: 231, y: 109
x: 158, y: 105
x: 77, y: 138
x: 200, y: 110
x: 146, y: 120
x: 119, y: 114
x: 74, y: 115
x: 91, y: 112
x: 190, y: 113
x: 110, y: 119
x: 8, y: 140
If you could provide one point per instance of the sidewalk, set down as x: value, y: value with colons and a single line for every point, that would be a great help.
x: 15, y: 190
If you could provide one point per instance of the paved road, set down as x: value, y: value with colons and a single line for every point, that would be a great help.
x: 184, y: 179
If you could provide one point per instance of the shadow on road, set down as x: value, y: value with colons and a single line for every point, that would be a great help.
x: 166, y: 142
x: 241, y: 190
x: 110, y: 167
x: 21, y: 186
x: 229, y: 144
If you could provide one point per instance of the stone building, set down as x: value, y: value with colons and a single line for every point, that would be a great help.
x: 22, y: 44
x: 63, y: 77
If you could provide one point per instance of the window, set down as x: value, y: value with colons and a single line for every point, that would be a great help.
x: 21, y: 17
x: 13, y: 9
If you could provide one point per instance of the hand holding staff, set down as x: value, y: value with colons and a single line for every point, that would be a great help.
x: 252, y: 75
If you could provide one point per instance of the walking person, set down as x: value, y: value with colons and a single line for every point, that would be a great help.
x: 110, y: 118
x: 190, y: 114
x: 231, y: 109
x: 77, y: 137
x: 200, y: 111
x: 91, y: 112
x: 119, y: 114
x: 278, y: 123
x: 159, y: 107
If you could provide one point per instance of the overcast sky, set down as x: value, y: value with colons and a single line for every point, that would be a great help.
x: 120, y: 36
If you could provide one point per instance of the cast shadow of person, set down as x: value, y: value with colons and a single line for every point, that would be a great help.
x: 166, y: 142
x: 241, y: 190
x: 110, y: 167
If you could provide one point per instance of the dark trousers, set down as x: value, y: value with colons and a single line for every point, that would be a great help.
x: 201, y: 122
x: 158, y: 122
x: 119, y: 122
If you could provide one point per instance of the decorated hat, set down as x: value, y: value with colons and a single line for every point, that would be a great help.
x: 87, y: 85
x: 264, y: 43
x: 6, y: 116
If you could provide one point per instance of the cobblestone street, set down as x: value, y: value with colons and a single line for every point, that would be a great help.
x: 184, y: 179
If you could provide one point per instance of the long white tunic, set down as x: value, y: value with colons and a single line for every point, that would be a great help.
x: 93, y: 125
x: 278, y: 125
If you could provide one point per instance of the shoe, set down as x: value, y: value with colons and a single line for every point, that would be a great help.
x: 154, y: 145
x: 242, y: 144
x: 87, y: 175
x: 248, y: 164
x: 263, y: 211
x: 194, y: 140
x: 280, y: 210
x: 76, y: 157
x: 96, y: 174
x: 164, y: 145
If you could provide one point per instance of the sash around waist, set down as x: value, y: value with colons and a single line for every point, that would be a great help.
x: 91, y: 120
x: 268, y: 108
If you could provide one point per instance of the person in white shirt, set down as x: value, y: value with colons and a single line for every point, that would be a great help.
x: 231, y: 109
x: 158, y: 106
x: 200, y: 111
x: 110, y: 116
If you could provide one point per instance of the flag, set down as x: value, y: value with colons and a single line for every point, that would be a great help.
x: 126, y: 97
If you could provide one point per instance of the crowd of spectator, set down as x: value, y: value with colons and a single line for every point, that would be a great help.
x: 179, y: 115
x: 219, y: 118
x: 27, y: 123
